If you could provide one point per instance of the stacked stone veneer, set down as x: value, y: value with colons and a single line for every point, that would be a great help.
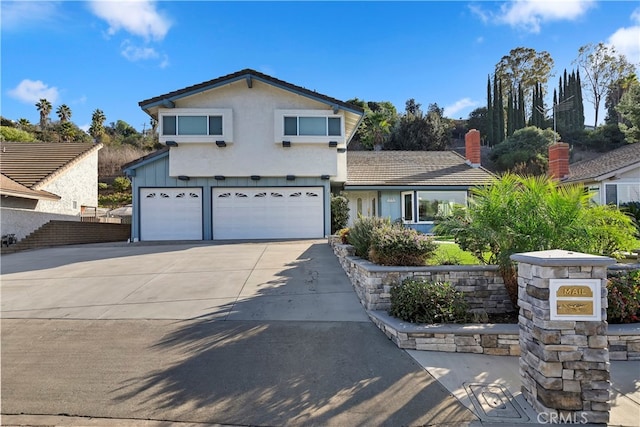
x: 496, y: 340
x: 564, y: 364
x: 482, y: 286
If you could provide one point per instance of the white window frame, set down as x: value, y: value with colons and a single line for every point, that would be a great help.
x: 227, y: 124
x: 278, y: 126
x: 411, y: 194
x: 415, y: 208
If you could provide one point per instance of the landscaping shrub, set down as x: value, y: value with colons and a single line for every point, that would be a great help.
x: 344, y: 235
x: 397, y: 245
x: 339, y: 212
x: 360, y: 234
x: 420, y: 301
x: 624, y: 297
x: 121, y: 184
x: 523, y: 214
x: 633, y: 210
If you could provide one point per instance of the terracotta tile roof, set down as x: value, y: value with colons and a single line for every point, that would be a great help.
x: 608, y: 163
x: 412, y: 168
x: 32, y: 164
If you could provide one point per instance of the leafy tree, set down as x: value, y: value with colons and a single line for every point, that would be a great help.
x: 629, y: 109
x: 378, y: 122
x: 44, y: 108
x: 8, y: 133
x: 526, y: 149
x: 523, y: 67
x: 523, y: 214
x: 602, y: 66
x: 339, y: 212
x: 64, y: 113
x: 479, y: 119
x: 614, y: 96
x: 417, y: 131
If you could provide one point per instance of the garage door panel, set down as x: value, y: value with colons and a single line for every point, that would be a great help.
x: 266, y: 213
x: 171, y: 214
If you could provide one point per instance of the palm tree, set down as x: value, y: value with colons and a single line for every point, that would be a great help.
x: 44, y: 108
x: 24, y: 123
x: 96, y: 130
x: 64, y: 113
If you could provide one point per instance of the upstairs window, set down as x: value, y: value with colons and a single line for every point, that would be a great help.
x: 192, y: 125
x: 312, y: 126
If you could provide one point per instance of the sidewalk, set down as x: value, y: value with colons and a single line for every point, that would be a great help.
x: 490, y: 387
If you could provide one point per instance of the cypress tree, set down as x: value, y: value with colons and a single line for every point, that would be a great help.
x: 522, y: 117
x: 489, y: 113
x: 501, y: 123
x: 510, y: 114
x: 579, y: 103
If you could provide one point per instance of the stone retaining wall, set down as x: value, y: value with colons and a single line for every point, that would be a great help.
x: 372, y: 284
x: 482, y: 285
x: 497, y: 340
x: 492, y: 339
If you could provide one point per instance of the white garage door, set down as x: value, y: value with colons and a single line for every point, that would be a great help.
x: 171, y: 214
x: 268, y: 213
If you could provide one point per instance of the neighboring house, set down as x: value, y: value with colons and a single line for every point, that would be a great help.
x: 413, y: 187
x: 45, y: 181
x: 248, y: 157
x: 613, y: 177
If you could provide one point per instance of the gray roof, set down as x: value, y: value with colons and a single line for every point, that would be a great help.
x: 412, y: 169
x: 607, y: 164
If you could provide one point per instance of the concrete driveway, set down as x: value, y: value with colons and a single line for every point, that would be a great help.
x: 234, y: 334
x: 249, y: 281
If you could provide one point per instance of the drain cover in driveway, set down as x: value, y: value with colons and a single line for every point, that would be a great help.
x: 494, y: 402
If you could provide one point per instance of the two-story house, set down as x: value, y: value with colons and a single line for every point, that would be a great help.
x: 247, y: 156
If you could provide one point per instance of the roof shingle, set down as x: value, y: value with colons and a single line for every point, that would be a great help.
x: 412, y: 168
x: 607, y: 163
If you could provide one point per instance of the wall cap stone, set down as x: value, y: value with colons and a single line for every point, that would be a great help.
x: 562, y: 258
x: 446, y: 328
x: 623, y: 329
x: 369, y: 266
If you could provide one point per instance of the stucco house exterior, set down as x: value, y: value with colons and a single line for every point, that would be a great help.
x: 247, y: 156
x: 613, y: 177
x: 46, y: 181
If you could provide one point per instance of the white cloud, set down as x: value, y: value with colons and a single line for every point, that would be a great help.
x: 136, y: 53
x: 34, y: 90
x: 531, y: 14
x: 137, y: 17
x: 18, y: 15
x: 627, y: 40
x: 460, y: 105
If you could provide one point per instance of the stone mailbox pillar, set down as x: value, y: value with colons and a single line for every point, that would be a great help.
x: 564, y: 361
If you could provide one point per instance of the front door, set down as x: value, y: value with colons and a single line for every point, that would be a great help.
x: 362, y: 203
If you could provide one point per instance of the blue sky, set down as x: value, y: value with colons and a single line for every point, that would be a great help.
x: 112, y: 54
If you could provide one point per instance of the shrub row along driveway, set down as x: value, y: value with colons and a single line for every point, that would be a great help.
x: 249, y: 334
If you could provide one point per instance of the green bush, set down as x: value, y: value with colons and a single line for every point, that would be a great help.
x: 360, y: 234
x: 523, y: 214
x: 419, y: 301
x: 121, y: 184
x: 339, y: 212
x: 633, y: 210
x: 103, y: 186
x: 397, y: 245
x: 624, y: 297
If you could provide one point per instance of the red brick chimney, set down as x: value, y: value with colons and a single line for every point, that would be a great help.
x: 472, y: 148
x: 558, y: 160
